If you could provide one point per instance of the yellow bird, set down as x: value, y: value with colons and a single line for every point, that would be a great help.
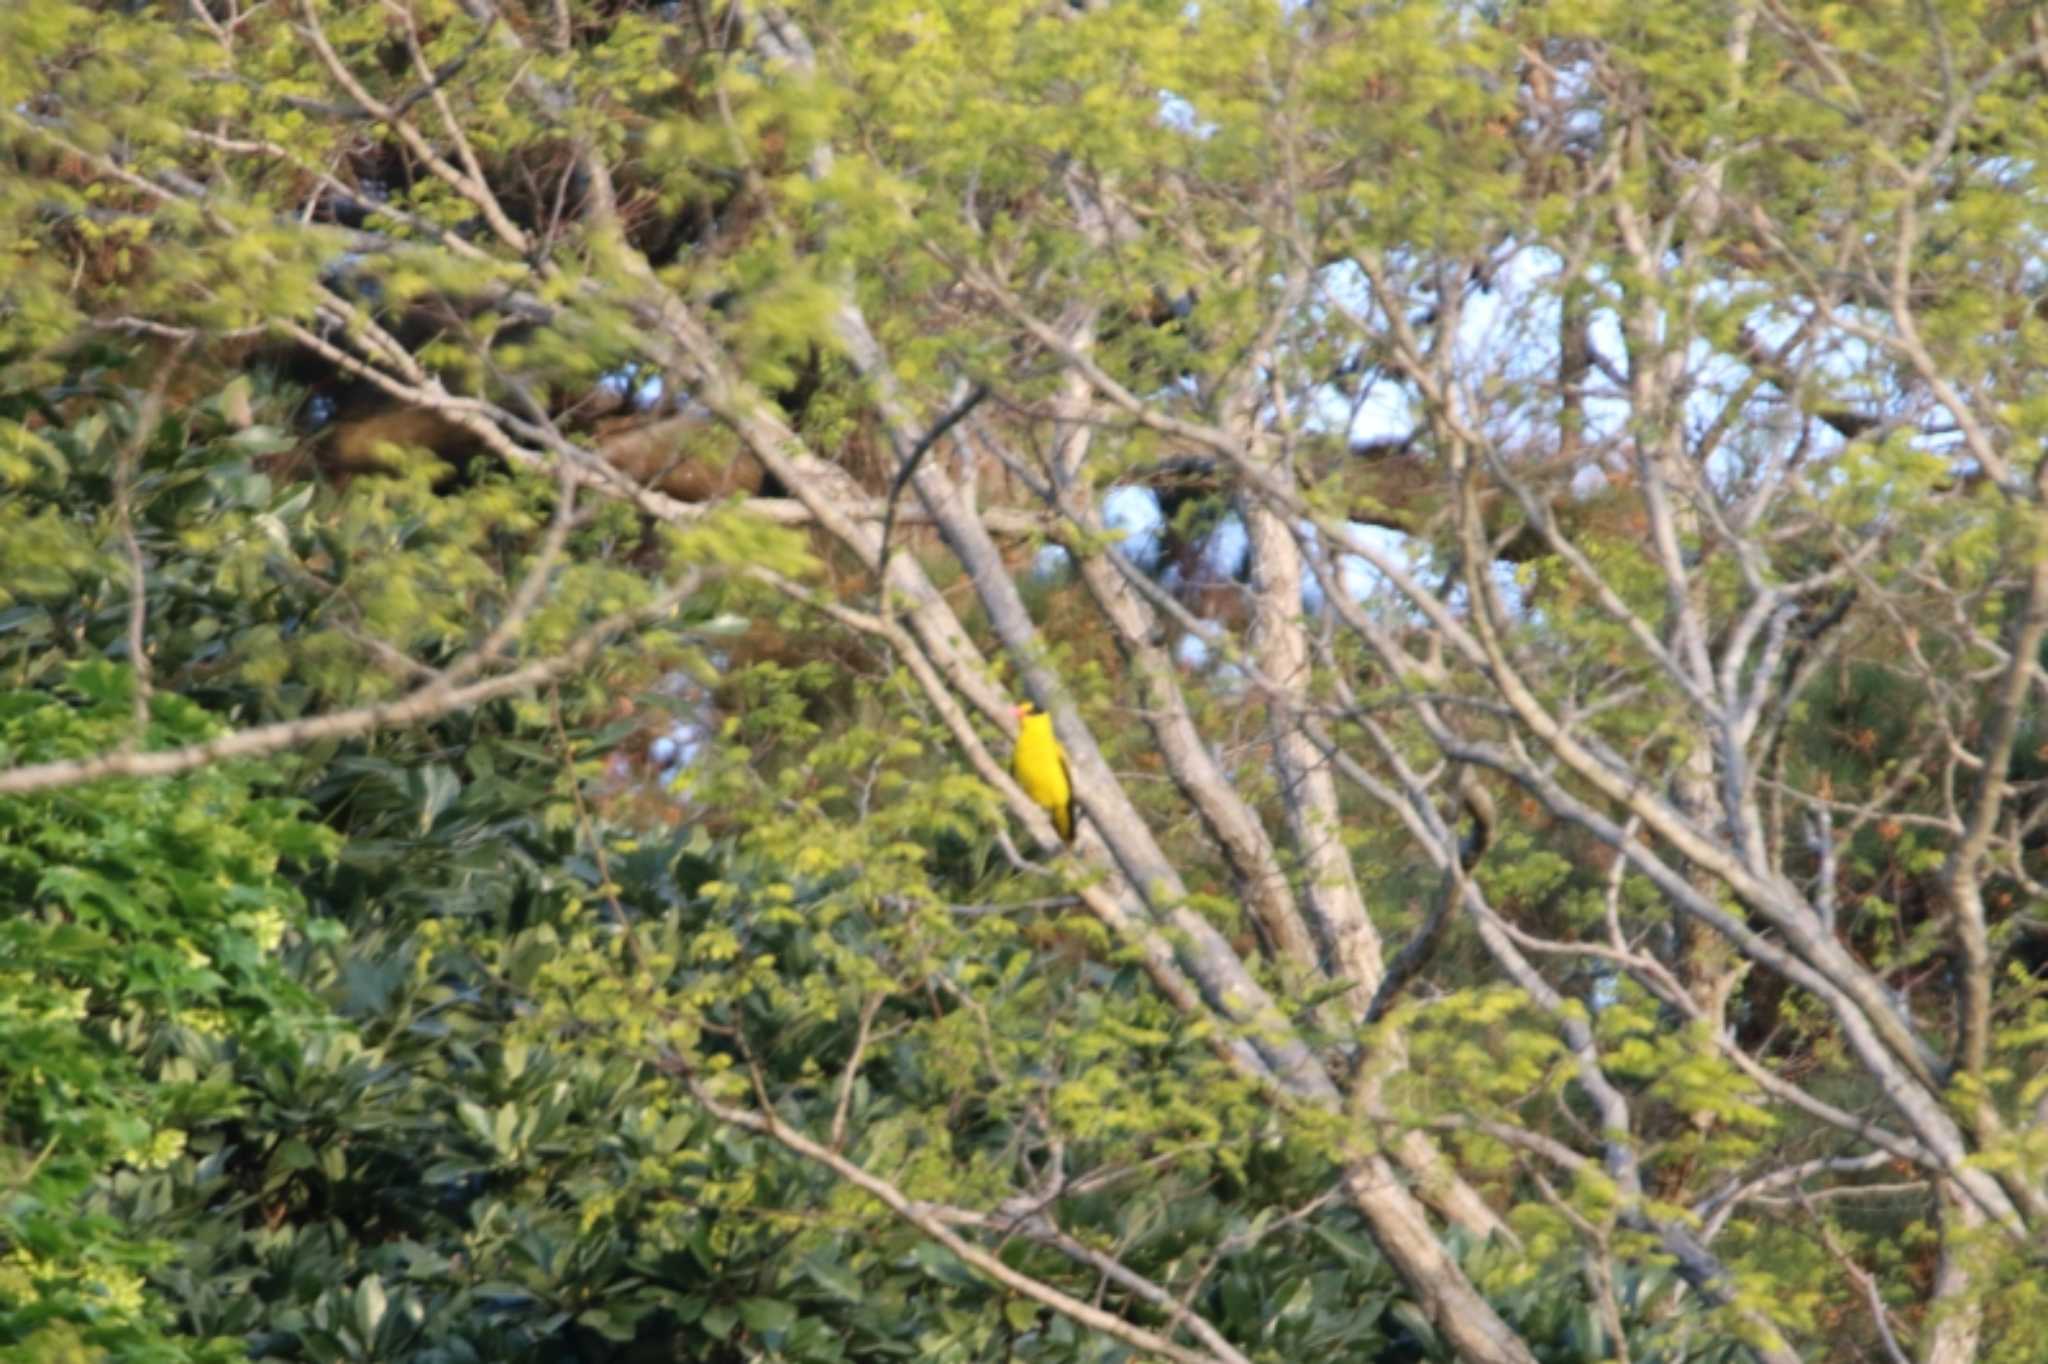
x: 1040, y: 766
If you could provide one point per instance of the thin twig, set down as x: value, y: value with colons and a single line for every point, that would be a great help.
x: 959, y: 413
x: 429, y: 702
x: 1864, y: 1280
x: 147, y: 415
x: 843, y: 1106
x: 938, y: 1222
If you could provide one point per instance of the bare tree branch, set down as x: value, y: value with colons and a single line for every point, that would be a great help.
x: 437, y: 698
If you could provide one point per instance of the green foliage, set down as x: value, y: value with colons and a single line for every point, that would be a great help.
x: 400, y: 1046
x: 142, y: 961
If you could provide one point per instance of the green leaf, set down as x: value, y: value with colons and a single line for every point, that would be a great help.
x: 370, y: 1304
x: 767, y: 1316
x: 834, y: 1277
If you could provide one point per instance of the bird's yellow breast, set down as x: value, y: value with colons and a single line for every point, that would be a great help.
x: 1040, y: 767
